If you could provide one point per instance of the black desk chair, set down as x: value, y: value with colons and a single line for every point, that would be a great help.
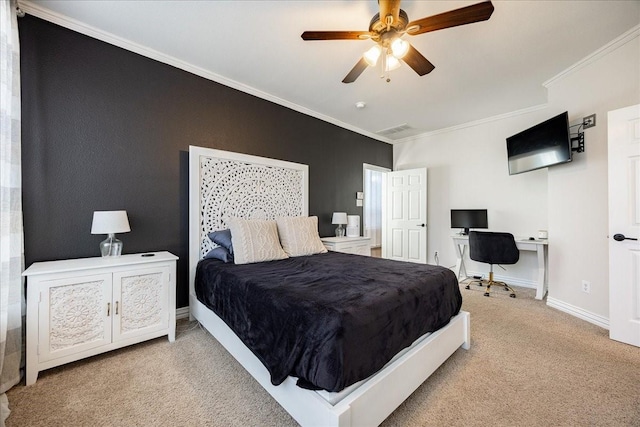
x: 493, y: 248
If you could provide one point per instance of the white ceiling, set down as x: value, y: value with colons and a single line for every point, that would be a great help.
x: 482, y: 70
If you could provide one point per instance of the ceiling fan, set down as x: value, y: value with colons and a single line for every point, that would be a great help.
x: 387, y: 29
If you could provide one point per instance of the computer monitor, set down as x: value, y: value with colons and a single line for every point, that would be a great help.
x: 469, y: 218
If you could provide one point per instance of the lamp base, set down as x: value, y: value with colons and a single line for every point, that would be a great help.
x: 340, y: 231
x: 111, y: 246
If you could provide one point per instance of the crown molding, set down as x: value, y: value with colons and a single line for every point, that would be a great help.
x: 82, y: 28
x: 472, y: 124
x: 603, y: 51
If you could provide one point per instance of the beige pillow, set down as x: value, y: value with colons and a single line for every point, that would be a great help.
x: 255, y: 241
x: 299, y: 235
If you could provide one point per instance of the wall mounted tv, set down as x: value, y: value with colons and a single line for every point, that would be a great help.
x: 545, y: 144
x: 469, y: 218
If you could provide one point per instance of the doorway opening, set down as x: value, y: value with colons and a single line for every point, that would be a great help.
x: 372, y: 206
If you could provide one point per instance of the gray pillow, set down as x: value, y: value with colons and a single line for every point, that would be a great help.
x: 222, y: 238
x: 220, y: 253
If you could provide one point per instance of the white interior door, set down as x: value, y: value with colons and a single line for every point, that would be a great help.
x: 624, y: 225
x: 405, y: 215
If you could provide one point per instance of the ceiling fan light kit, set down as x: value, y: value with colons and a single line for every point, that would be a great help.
x: 399, y: 48
x: 387, y: 33
x: 371, y: 56
x: 390, y: 63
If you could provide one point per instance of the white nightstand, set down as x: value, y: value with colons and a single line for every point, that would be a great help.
x: 349, y: 245
x: 82, y: 307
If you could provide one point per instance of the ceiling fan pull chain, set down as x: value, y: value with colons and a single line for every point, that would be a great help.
x: 385, y: 65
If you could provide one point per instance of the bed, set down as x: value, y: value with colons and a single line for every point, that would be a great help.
x: 364, y: 389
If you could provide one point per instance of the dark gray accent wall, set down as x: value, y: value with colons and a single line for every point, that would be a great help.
x: 105, y: 129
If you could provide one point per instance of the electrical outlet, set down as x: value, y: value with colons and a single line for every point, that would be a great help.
x: 586, y: 286
x: 589, y: 121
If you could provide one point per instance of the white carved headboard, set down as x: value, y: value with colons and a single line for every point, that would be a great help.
x: 223, y: 184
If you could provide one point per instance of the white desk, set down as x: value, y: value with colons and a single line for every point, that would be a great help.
x: 461, y: 242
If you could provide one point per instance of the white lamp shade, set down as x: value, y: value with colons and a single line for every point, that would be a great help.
x: 339, y: 218
x: 107, y: 222
x: 371, y: 56
x: 399, y: 48
x: 392, y: 63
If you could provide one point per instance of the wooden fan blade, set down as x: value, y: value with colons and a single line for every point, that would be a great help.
x: 419, y: 63
x: 389, y: 7
x: 355, y: 71
x: 335, y: 35
x: 453, y: 18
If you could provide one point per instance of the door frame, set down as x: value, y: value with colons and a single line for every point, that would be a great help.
x: 365, y: 167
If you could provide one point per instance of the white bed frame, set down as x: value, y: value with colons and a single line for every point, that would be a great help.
x: 375, y: 398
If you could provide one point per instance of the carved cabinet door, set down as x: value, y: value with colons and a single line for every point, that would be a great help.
x: 74, y: 315
x: 141, y: 302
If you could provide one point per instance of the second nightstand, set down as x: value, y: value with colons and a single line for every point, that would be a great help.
x: 349, y: 245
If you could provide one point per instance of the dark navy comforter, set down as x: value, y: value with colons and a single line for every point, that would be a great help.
x: 329, y: 319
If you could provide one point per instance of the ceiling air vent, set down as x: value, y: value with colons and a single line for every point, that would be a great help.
x: 395, y: 132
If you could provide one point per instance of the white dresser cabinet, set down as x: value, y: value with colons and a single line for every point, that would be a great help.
x: 349, y: 245
x: 82, y: 307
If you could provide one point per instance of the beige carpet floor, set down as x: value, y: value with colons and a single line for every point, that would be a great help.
x: 529, y: 365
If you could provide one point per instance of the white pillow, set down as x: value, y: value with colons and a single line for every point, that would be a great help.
x: 299, y: 235
x: 255, y: 241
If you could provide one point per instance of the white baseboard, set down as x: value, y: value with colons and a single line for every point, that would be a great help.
x: 182, y: 313
x: 578, y: 312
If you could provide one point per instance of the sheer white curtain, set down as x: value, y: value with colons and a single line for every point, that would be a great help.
x: 11, y: 236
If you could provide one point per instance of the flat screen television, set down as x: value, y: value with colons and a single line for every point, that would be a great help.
x: 469, y: 218
x: 545, y: 144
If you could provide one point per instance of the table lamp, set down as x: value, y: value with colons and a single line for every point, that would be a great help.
x: 339, y: 218
x: 110, y: 223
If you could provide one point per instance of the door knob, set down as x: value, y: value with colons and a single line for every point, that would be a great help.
x: 422, y: 225
x: 621, y: 237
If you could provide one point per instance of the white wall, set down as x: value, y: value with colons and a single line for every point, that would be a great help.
x: 467, y: 168
x: 578, y: 196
